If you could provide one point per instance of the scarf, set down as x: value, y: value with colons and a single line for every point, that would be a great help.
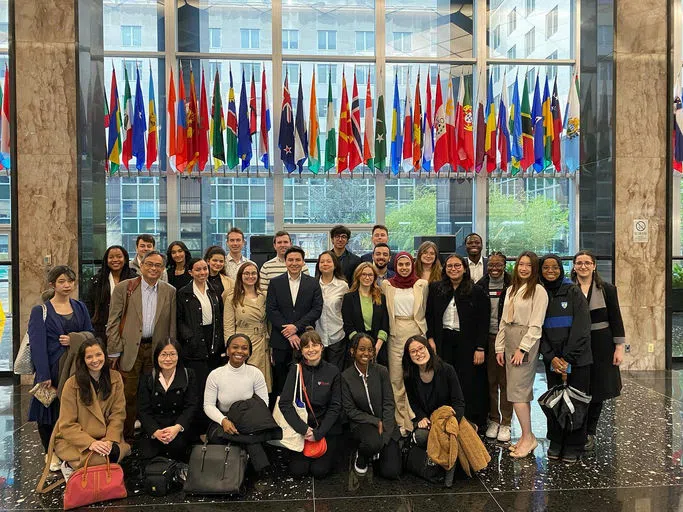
x: 552, y: 286
x: 399, y: 281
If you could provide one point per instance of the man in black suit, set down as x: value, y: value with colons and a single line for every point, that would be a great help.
x: 380, y: 235
x: 294, y: 302
x: 475, y: 261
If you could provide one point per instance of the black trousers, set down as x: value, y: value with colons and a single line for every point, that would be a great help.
x: 569, y: 442
x: 300, y: 465
x: 370, y: 443
x: 594, y: 411
x: 337, y: 354
x: 45, y: 433
x: 281, y: 360
x: 178, y: 449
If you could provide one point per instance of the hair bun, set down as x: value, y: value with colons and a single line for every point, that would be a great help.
x: 309, y: 328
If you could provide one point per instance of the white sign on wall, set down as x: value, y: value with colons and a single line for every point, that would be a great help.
x: 641, y: 231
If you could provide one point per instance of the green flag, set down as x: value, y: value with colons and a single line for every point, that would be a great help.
x: 217, y: 124
x: 380, y: 136
x: 331, y: 139
x: 231, y: 135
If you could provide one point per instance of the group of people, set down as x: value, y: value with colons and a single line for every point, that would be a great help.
x: 378, y: 343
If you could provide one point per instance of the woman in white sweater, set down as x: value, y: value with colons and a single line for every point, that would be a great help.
x: 517, y: 343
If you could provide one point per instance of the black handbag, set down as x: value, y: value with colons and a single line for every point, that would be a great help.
x: 419, y: 464
x: 216, y: 469
x: 161, y: 476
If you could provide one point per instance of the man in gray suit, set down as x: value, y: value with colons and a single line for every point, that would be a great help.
x: 142, y: 313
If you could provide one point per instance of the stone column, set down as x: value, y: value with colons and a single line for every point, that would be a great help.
x: 640, y: 48
x: 46, y: 129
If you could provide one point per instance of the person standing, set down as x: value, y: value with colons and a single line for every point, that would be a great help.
x: 475, y: 261
x: 235, y: 258
x: 294, y: 302
x: 380, y: 235
x: 458, y: 315
x: 607, y: 337
x: 340, y: 236
x: 330, y: 325
x: 277, y: 266
x: 142, y: 314
x: 178, y: 259
x: 380, y: 259
x: 427, y: 262
x: 517, y: 343
x: 406, y: 302
x: 144, y: 244
x: 218, y: 280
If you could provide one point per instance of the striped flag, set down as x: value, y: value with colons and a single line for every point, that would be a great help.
x: 490, y: 142
x: 503, y: 129
x: 407, y: 153
x: 369, y: 135
x: 331, y: 123
x: 428, y: 130
x: 203, y: 125
x: 356, y: 142
x: 231, y: 154
x: 170, y: 124
x: 152, y: 140
x: 344, y: 138
x: 265, y: 121
x: 572, y: 138
x: 548, y: 127
x: 396, y: 136
x: 451, y: 124
x: 127, y: 121
x: 527, y: 129
x: 516, y: 142
x: 300, y: 133
x: 181, y: 125
x: 440, y: 133
x: 313, y: 131
x: 556, y: 152
x: 217, y: 124
x: 114, y: 143
x: 417, y: 127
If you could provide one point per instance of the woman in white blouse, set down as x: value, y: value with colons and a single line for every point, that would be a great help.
x: 517, y: 343
x: 330, y: 325
x: 406, y: 302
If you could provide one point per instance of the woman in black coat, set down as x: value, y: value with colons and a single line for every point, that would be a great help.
x: 357, y: 314
x: 115, y: 268
x: 458, y: 318
x: 165, y: 410
x: 368, y: 400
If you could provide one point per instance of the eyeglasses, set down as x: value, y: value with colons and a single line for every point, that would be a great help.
x: 416, y: 351
x: 341, y: 237
x: 584, y: 264
x: 168, y: 355
x: 454, y: 266
x: 365, y: 274
x: 153, y: 265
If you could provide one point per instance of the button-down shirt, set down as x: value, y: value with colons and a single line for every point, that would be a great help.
x: 294, y: 286
x: 205, y: 302
x: 364, y: 378
x: 330, y: 325
x: 476, y: 269
x: 232, y: 265
x: 149, y: 308
x: 451, y: 320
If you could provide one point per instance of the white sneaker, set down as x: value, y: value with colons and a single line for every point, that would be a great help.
x: 504, y: 434
x: 492, y: 430
x: 138, y: 425
x: 54, y: 462
x: 67, y: 471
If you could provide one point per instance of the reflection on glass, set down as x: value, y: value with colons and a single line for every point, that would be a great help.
x: 133, y: 26
x: 6, y: 354
x: 429, y: 28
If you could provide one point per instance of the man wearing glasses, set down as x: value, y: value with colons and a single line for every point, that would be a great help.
x: 340, y: 236
x: 142, y: 313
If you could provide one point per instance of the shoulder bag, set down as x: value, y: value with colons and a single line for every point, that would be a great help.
x: 216, y: 469
x: 23, y: 364
x: 318, y: 448
x: 291, y: 439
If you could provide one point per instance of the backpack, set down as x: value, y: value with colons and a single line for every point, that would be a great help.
x: 161, y: 476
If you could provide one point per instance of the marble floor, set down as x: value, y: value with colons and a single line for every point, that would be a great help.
x: 636, y: 467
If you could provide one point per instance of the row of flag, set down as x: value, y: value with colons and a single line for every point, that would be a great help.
x: 523, y: 135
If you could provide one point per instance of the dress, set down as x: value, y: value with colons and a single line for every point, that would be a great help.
x: 250, y: 319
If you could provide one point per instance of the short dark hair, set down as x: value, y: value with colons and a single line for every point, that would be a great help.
x: 214, y: 249
x: 145, y: 238
x: 340, y: 230
x: 57, y: 271
x: 296, y: 249
x: 239, y: 335
x: 474, y: 234
x: 153, y: 253
x: 380, y: 226
x: 282, y: 233
x: 235, y: 229
x: 381, y: 244
x: 355, y: 340
x: 161, y: 346
x: 192, y: 261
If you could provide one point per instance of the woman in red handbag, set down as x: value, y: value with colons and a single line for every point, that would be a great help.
x: 92, y: 411
x: 322, y: 396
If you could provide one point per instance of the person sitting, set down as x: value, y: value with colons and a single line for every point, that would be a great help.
x: 93, y: 409
x: 368, y: 401
x: 322, y: 383
x: 168, y: 399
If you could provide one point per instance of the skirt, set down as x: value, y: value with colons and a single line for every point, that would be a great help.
x: 520, y: 379
x: 404, y: 328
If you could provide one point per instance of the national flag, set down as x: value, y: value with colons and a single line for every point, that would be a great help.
x: 127, y: 121
x: 441, y: 156
x: 217, y: 124
x: 152, y: 138
x: 265, y: 122
x: 490, y: 142
x: 4, y: 122
x: 369, y: 135
x: 527, y: 129
x: 106, y: 126
x: 181, y: 125
x: 231, y: 154
x: 380, y: 136
x: 417, y: 127
x: 356, y: 142
x: 556, y: 152
x: 139, y: 125
x: 503, y: 128
x: 407, y: 150
x: 537, y: 119
x: 465, y: 132
x: 396, y: 135
x: 331, y: 123
x: 548, y: 127
x: 454, y: 123
x: 286, y: 138
x: 252, y: 106
x: 204, y: 125
x: 572, y: 136
x: 243, y: 128
x: 192, y: 149
x: 300, y: 133
x: 516, y: 139
x: 428, y: 130
x: 480, y: 151
x: 171, y: 124
x: 313, y: 131
x: 114, y: 140
x: 344, y: 139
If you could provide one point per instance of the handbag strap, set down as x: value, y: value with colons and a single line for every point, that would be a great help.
x: 308, y: 402
x: 132, y: 286
x: 41, y: 489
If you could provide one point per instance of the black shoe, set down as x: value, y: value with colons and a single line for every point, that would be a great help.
x: 553, y: 453
x: 570, y: 458
x: 360, y: 466
x: 590, y: 443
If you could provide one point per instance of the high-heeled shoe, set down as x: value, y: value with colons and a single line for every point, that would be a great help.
x: 512, y: 447
x: 520, y: 455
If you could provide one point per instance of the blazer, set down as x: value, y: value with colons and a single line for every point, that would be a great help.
x: 381, y: 396
x: 189, y: 323
x: 280, y: 311
x: 420, y: 292
x: 99, y: 298
x: 352, y: 315
x: 159, y: 408
x: 128, y: 341
x: 349, y: 262
x: 79, y: 424
x: 474, y: 313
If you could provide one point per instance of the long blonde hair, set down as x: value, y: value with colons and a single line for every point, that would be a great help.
x: 436, y: 272
x: 375, y: 291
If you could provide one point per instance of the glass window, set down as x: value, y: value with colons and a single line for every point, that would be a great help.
x: 496, y: 37
x: 249, y: 38
x: 290, y: 39
x: 131, y: 36
x: 365, y: 41
x: 530, y: 42
x: 215, y: 38
x: 327, y: 72
x: 530, y: 5
x: 512, y: 21
x: 402, y: 42
x: 120, y: 34
x: 551, y: 20
x: 327, y: 39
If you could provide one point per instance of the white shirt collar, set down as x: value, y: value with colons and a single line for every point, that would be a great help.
x: 289, y: 276
x: 240, y: 260
x: 471, y: 263
x: 146, y: 286
x: 360, y: 373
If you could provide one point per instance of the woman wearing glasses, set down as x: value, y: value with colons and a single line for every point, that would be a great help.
x: 458, y: 316
x: 607, y: 337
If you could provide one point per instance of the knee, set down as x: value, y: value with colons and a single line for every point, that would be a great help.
x: 390, y: 471
x: 421, y: 435
x: 370, y: 445
x: 320, y: 470
x: 299, y: 467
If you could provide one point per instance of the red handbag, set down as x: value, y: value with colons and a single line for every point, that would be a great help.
x: 313, y: 449
x: 93, y: 484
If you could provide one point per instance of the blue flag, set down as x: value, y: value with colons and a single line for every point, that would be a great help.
x: 537, y: 120
x: 300, y: 133
x: 516, y: 151
x: 243, y: 135
x: 139, y: 126
x: 286, y: 139
x: 396, y: 137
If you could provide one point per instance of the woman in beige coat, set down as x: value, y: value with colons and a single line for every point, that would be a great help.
x: 92, y: 412
x: 406, y: 302
x: 245, y: 312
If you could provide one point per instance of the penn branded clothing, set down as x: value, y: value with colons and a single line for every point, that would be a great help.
x: 226, y: 385
x: 525, y: 312
x: 330, y: 325
x: 273, y: 268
